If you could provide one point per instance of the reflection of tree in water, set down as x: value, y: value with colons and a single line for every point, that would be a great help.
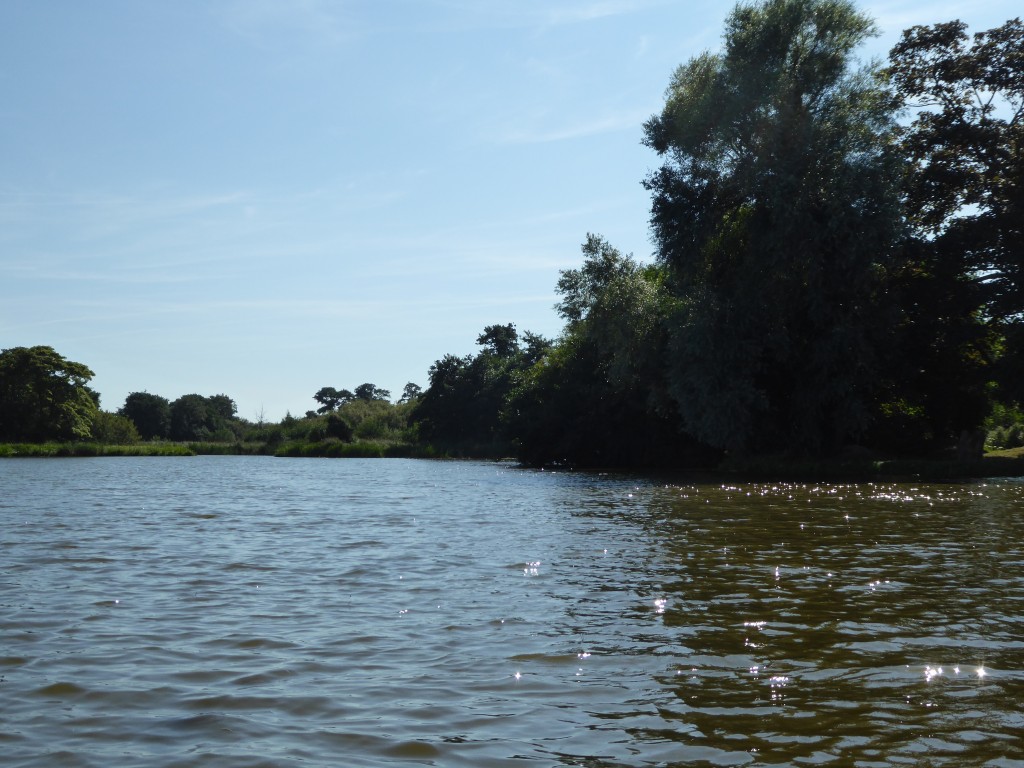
x: 812, y: 621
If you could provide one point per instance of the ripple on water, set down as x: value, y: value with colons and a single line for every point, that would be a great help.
x: 60, y: 691
x: 245, y: 611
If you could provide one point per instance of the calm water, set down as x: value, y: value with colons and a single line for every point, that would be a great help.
x: 240, y: 611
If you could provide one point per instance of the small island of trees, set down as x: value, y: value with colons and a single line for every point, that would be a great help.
x: 838, y: 272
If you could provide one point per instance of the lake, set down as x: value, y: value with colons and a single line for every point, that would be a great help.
x: 253, y: 611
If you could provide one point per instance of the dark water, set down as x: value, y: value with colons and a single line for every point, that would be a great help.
x: 238, y: 611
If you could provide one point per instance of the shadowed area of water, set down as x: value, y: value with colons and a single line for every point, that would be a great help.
x: 244, y: 611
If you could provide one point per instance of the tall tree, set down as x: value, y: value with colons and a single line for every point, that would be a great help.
x: 598, y: 396
x: 464, y: 405
x: 775, y: 212
x: 222, y: 407
x: 190, y: 418
x: 150, y: 413
x: 965, y: 199
x: 194, y: 417
x: 445, y: 410
x: 44, y: 396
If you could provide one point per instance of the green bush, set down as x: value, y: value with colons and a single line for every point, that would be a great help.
x: 112, y: 429
x: 338, y: 428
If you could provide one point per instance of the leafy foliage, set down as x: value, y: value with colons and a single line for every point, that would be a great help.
x: 463, y: 407
x: 371, y: 392
x: 599, y: 397
x: 113, y: 429
x: 775, y: 213
x: 965, y: 202
x: 44, y: 397
x: 330, y: 399
x: 410, y: 392
x: 151, y: 414
x: 195, y: 417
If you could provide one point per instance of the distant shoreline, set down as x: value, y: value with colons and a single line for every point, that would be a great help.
x: 756, y: 469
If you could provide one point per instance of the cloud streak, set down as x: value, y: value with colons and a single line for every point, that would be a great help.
x: 542, y: 15
x: 273, y: 24
x: 629, y: 120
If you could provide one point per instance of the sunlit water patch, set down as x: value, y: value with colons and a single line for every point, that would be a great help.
x: 242, y: 611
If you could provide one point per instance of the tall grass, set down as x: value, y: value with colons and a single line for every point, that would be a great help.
x: 228, y: 449
x: 85, y: 450
x: 361, y: 449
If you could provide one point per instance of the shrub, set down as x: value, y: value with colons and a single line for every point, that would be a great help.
x: 112, y: 429
x: 338, y: 428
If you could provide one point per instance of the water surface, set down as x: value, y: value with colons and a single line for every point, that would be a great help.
x: 246, y: 611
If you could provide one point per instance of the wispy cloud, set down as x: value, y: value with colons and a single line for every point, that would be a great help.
x: 60, y: 271
x: 241, y: 311
x: 147, y: 237
x: 590, y: 11
x: 271, y: 24
x: 157, y: 236
x: 543, y: 14
x: 538, y: 133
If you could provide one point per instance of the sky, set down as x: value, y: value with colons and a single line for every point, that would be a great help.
x: 261, y: 198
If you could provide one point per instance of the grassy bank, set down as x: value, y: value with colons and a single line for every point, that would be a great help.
x: 329, y: 448
x: 53, y: 450
x: 360, y: 449
x: 229, y: 449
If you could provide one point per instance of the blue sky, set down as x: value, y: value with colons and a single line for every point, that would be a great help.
x: 265, y: 197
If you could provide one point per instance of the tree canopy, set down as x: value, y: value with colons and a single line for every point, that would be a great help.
x: 775, y: 213
x: 44, y: 396
x: 196, y: 417
x: 464, y: 406
x: 965, y: 202
x: 151, y: 414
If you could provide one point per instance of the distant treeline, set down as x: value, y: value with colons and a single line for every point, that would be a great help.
x: 839, y: 270
x: 45, y: 398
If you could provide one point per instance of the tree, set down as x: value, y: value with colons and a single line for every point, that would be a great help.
x: 597, y: 397
x: 151, y: 414
x: 965, y: 201
x: 189, y: 418
x: 195, y: 417
x: 775, y: 214
x: 443, y: 410
x: 411, y: 392
x: 967, y: 141
x: 44, y: 396
x: 331, y: 399
x: 371, y: 392
x: 534, y: 347
x: 500, y: 340
x: 464, y: 407
x: 221, y: 407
